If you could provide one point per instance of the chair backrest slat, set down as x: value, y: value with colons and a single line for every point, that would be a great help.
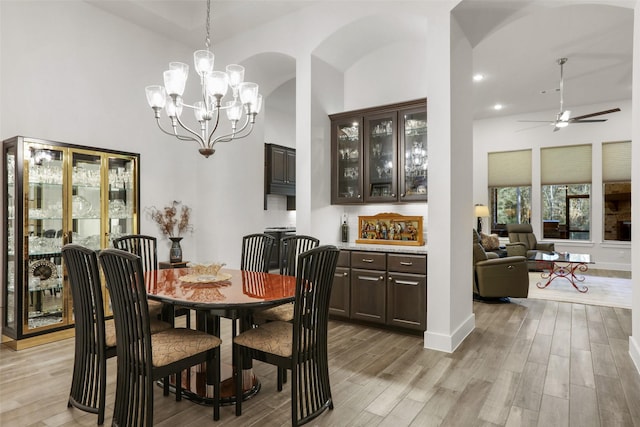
x: 290, y: 248
x: 146, y: 247
x: 256, y: 252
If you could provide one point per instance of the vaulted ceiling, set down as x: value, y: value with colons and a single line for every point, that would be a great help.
x: 516, y: 43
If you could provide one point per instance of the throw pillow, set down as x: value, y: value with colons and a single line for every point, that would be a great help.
x: 489, y: 242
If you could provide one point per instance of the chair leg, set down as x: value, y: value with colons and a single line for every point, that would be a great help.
x: 165, y: 389
x: 178, y: 386
x: 281, y: 374
x: 215, y: 372
x: 238, y: 377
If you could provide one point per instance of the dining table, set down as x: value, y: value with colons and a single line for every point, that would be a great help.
x: 231, y: 294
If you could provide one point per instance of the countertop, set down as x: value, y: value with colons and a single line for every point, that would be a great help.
x: 350, y: 246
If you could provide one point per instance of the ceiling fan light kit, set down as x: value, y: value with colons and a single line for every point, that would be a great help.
x: 563, y: 118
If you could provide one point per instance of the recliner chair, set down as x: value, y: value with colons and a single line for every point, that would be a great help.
x: 494, y: 277
x: 522, y: 242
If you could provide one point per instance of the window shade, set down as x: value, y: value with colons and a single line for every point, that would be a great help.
x: 566, y: 165
x: 616, y: 161
x: 510, y: 169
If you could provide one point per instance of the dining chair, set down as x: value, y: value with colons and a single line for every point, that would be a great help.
x: 256, y: 252
x: 300, y: 346
x: 88, y: 382
x: 95, y: 337
x: 146, y: 247
x: 144, y: 358
x: 290, y: 249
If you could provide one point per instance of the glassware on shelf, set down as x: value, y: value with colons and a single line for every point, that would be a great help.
x: 81, y: 206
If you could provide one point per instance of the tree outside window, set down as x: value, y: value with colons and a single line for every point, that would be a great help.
x: 566, y: 211
x: 509, y: 205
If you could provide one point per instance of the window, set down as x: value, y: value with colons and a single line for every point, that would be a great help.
x: 566, y: 190
x: 566, y: 211
x: 616, y: 182
x: 509, y: 189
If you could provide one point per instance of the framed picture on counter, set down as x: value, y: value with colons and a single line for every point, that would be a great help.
x: 390, y: 229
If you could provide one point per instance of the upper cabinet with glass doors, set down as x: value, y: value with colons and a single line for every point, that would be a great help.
x: 55, y: 194
x: 379, y: 155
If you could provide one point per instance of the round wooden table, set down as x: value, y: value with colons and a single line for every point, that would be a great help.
x: 235, y: 297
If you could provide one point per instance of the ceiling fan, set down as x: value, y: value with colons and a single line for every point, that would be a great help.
x: 563, y: 118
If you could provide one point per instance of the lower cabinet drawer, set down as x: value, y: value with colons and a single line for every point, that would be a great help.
x: 404, y: 263
x: 369, y: 260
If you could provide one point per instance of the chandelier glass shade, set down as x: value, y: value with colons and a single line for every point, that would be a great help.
x: 241, y: 106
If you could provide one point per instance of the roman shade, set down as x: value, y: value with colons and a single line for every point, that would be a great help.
x: 566, y: 165
x: 616, y: 161
x: 510, y: 168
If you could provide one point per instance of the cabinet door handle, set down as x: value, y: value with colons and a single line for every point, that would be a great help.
x: 409, y: 263
x: 381, y: 277
x: 402, y: 195
x: 390, y: 279
x: 367, y: 260
x: 358, y: 196
x: 393, y: 194
x: 345, y: 274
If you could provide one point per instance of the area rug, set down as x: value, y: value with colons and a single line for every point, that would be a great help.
x: 605, y: 291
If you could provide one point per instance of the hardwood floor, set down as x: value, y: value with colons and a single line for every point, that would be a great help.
x: 527, y: 363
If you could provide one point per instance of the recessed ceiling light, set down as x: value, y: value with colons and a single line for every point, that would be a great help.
x: 498, y: 107
x: 478, y: 77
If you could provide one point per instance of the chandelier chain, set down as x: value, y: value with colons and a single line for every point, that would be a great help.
x: 207, y: 41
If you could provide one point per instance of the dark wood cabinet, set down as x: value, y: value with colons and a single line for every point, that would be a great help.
x: 381, y: 288
x: 280, y: 170
x: 339, y: 304
x: 379, y: 155
x: 368, y: 296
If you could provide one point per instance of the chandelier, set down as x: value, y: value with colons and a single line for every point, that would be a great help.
x: 214, y: 86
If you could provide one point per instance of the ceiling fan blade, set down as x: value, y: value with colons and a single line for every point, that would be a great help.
x: 572, y: 121
x: 536, y: 121
x: 564, y: 116
x: 599, y: 113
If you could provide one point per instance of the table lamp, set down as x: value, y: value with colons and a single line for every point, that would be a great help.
x: 480, y: 211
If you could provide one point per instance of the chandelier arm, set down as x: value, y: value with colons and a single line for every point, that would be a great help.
x: 197, y: 138
x: 180, y: 137
x: 210, y: 141
x: 234, y: 135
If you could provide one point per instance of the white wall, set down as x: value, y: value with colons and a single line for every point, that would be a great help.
x: 393, y: 73
x: 75, y: 74
x: 507, y: 134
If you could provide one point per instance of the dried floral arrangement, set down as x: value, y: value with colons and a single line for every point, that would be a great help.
x: 172, y: 220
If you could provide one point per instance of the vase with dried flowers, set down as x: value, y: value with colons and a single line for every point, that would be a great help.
x: 173, y: 221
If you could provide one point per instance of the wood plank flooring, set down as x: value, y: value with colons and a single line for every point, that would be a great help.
x: 527, y: 363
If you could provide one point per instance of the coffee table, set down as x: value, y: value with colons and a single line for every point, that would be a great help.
x: 564, y: 264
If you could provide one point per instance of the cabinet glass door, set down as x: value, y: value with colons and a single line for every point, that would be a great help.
x: 85, y: 199
x: 414, y: 162
x: 44, y: 296
x: 380, y: 161
x: 9, y: 320
x: 349, y: 162
x: 122, y: 197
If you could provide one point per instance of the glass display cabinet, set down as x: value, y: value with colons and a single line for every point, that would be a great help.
x: 379, y: 155
x: 54, y: 194
x: 414, y: 162
x: 381, y: 180
x: 347, y: 163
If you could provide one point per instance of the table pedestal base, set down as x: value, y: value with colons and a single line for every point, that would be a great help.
x: 566, y: 270
x: 194, y: 387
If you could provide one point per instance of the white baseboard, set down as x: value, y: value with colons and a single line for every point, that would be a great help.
x: 448, y: 343
x: 634, y: 352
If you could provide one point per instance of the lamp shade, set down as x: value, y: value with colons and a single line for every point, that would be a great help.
x: 481, y: 211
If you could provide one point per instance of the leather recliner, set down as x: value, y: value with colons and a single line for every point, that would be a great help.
x: 523, y: 242
x: 495, y: 277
